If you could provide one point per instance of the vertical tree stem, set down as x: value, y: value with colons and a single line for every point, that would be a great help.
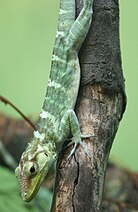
x: 101, y: 103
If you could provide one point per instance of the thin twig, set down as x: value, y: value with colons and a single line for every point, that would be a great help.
x: 6, y: 101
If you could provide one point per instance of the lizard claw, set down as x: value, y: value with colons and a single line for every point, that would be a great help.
x: 76, y: 142
x: 88, y: 136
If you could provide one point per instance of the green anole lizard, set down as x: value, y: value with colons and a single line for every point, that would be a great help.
x: 57, y: 118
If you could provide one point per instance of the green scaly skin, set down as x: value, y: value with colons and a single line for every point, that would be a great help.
x: 57, y: 118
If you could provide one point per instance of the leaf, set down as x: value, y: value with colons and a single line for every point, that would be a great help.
x: 44, y: 199
x: 10, y: 199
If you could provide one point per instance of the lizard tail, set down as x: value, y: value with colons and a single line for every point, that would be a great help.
x: 66, y: 15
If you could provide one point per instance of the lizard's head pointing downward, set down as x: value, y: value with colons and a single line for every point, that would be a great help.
x: 33, y: 168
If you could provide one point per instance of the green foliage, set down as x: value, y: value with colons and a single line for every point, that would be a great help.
x: 44, y: 199
x: 10, y: 199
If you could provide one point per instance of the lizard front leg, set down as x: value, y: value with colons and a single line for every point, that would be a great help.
x: 69, y: 123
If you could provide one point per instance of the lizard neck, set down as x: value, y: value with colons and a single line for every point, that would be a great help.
x: 42, y: 141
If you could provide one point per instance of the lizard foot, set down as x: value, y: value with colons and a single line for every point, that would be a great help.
x: 77, y: 141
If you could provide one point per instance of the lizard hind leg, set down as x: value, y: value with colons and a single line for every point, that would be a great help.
x: 80, y: 27
x: 69, y: 123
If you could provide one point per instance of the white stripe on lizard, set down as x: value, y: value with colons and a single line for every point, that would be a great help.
x: 39, y: 135
x: 57, y: 58
x: 53, y: 84
x: 61, y: 12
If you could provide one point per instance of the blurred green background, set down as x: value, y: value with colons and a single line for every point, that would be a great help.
x: 27, y: 32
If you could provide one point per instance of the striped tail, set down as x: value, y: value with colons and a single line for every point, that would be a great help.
x: 66, y: 15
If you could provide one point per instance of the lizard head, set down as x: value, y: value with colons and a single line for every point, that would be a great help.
x: 33, y: 168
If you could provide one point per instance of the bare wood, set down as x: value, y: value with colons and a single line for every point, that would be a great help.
x: 101, y: 103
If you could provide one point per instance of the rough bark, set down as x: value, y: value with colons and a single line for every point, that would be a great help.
x: 101, y: 103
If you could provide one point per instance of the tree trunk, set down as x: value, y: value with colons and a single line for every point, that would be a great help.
x: 101, y: 103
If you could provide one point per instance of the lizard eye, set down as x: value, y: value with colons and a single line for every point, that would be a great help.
x: 31, y: 168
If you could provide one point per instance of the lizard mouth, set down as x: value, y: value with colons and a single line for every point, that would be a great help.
x: 32, y: 190
x: 30, y: 193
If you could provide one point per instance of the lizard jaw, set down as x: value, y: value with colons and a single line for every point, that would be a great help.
x: 31, y: 186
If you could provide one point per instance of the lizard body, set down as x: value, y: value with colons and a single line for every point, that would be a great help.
x: 57, y: 118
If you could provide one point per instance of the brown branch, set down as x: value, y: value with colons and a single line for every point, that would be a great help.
x: 6, y: 101
x: 79, y: 181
